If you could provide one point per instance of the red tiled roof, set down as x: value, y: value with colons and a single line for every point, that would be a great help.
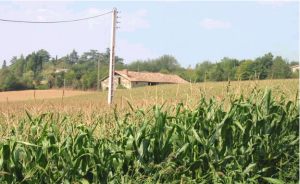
x: 150, y: 77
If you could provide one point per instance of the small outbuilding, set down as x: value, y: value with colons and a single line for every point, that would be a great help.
x: 131, y: 79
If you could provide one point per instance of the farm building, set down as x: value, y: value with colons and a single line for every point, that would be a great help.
x: 130, y: 79
x: 295, y: 68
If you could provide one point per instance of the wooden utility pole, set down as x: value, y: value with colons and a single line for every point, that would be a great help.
x: 112, y: 58
x: 98, y: 74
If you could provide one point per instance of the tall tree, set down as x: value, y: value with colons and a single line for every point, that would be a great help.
x: 216, y: 73
x: 19, y: 66
x: 280, y: 69
x: 73, y: 57
x: 263, y: 65
x: 245, y: 70
x: 229, y: 67
x: 202, y: 70
x: 4, y: 65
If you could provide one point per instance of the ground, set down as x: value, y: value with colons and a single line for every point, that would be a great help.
x: 12, y: 96
x: 71, y: 101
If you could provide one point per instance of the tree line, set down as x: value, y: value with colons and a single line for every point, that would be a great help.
x: 39, y: 70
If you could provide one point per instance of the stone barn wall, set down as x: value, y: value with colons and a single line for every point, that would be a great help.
x: 125, y: 82
x: 118, y: 80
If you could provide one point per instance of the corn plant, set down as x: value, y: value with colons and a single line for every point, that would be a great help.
x: 254, y: 141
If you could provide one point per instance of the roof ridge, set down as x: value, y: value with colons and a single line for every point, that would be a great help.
x: 151, y: 76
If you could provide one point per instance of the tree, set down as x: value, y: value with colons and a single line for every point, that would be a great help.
x: 28, y: 79
x: 43, y: 56
x: 89, y: 80
x: 263, y: 65
x: 59, y: 79
x: 188, y: 74
x: 292, y: 63
x: 280, y: 69
x: 165, y: 63
x: 216, y: 73
x: 245, y: 70
x: 202, y: 70
x: 70, y: 77
x: 229, y: 67
x: 8, y: 81
x: 73, y: 58
x: 4, y: 65
x: 18, y: 67
x: 49, y: 76
x: 90, y: 56
x: 168, y: 63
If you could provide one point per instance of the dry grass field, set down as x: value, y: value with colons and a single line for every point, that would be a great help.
x: 26, y: 95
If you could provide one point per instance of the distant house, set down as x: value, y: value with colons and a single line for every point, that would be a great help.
x: 61, y: 70
x: 130, y: 79
x: 295, y: 68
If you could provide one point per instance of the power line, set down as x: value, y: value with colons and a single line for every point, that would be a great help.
x: 54, y: 22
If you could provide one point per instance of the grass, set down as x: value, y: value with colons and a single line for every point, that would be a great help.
x: 199, y: 133
x: 143, y: 97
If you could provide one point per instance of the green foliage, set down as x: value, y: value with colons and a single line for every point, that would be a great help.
x: 254, y: 141
x: 188, y: 74
x: 229, y: 67
x: 202, y: 70
x: 4, y: 64
x: 246, y: 70
x: 38, y: 67
x: 296, y: 74
x: 89, y: 80
x: 165, y: 63
x: 8, y: 81
x: 216, y: 73
x: 280, y: 69
x: 263, y: 66
x: 59, y: 79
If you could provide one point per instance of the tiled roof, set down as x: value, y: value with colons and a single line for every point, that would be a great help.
x: 295, y: 66
x: 150, y: 77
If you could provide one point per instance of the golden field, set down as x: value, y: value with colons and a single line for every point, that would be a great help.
x: 71, y: 101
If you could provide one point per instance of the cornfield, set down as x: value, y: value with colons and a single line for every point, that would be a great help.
x: 253, y: 140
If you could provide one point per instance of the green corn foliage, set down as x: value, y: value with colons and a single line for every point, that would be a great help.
x: 254, y: 141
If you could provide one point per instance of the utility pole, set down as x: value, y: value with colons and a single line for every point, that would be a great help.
x: 98, y: 74
x: 112, y: 58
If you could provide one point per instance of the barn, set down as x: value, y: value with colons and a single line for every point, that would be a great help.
x: 295, y: 68
x: 130, y: 79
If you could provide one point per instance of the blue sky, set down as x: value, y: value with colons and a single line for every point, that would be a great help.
x: 190, y: 31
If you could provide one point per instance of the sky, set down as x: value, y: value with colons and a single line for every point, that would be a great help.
x: 192, y: 32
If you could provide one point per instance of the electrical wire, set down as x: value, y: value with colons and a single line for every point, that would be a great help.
x: 54, y: 22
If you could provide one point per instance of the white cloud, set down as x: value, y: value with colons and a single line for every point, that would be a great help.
x: 130, y: 22
x: 209, y: 23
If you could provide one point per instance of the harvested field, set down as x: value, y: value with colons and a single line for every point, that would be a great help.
x: 27, y: 95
